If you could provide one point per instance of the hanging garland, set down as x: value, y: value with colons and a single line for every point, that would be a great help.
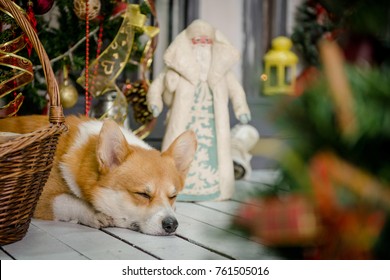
x: 87, y: 14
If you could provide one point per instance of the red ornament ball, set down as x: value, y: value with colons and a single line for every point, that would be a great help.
x: 41, y: 7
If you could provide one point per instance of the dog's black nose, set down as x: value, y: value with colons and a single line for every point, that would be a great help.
x: 169, y: 224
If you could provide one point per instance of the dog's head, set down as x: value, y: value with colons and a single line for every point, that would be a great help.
x: 138, y: 186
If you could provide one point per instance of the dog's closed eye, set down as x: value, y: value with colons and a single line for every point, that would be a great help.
x: 144, y: 195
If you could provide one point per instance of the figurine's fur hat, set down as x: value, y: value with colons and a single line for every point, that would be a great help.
x: 200, y: 28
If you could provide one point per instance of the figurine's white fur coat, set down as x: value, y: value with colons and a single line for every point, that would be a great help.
x: 179, y: 80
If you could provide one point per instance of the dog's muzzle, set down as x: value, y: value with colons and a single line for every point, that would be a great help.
x: 170, y: 224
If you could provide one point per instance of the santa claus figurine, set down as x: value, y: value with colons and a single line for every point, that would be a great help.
x: 197, y: 85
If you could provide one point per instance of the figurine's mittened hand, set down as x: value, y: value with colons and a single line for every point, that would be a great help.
x: 244, y: 118
x: 155, y: 111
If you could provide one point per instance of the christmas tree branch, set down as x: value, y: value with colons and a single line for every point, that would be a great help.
x: 70, y: 51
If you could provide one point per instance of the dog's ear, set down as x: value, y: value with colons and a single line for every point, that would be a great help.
x: 112, y: 148
x: 182, y: 150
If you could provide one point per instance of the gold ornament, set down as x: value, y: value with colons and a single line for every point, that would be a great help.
x: 68, y: 92
x: 79, y: 7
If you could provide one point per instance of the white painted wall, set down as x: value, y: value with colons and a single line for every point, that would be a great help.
x: 291, y: 6
x: 162, y: 44
x: 226, y: 16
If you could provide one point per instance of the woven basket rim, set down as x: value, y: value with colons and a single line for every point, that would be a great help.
x: 23, y: 140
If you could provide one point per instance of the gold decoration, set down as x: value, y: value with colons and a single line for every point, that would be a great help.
x: 111, y: 62
x: 68, y: 92
x: 21, y: 69
x: 109, y: 65
x: 79, y: 8
x: 21, y: 72
x: 136, y: 92
x: 12, y: 107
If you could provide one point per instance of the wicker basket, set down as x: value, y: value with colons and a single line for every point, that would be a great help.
x: 26, y: 161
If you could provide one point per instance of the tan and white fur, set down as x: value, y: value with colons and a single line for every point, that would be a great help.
x: 103, y: 175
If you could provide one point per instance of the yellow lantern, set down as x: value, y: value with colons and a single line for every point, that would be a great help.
x: 280, y: 68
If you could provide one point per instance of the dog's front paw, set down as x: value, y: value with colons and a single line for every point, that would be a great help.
x: 100, y: 220
x: 104, y: 220
x: 97, y: 220
x: 69, y: 208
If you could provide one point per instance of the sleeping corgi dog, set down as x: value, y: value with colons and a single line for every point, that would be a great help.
x: 103, y: 175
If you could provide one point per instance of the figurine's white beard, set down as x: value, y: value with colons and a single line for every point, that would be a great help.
x: 202, y: 54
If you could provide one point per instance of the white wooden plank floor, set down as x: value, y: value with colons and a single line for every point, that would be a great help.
x: 204, y: 233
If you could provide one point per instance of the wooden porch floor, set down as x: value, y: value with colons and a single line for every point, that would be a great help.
x: 204, y: 233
